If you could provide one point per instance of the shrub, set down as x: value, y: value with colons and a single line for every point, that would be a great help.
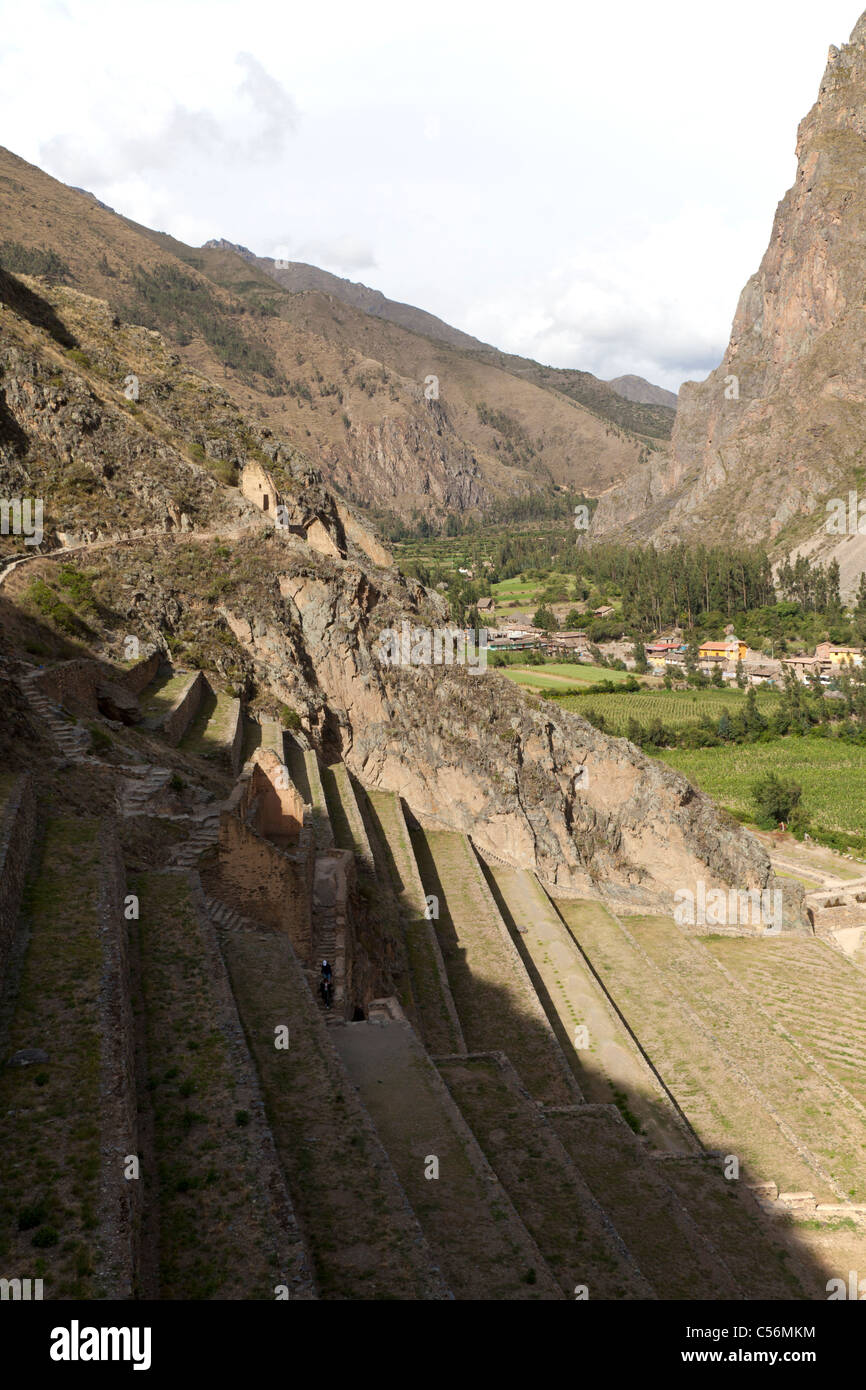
x: 289, y: 718
x: 79, y: 358
x: 32, y: 1216
x: 100, y: 741
x: 45, y: 1237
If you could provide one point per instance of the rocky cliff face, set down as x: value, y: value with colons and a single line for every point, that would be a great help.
x: 777, y: 429
x: 533, y: 785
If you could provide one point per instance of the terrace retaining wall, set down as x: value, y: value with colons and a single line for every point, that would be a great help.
x: 184, y: 709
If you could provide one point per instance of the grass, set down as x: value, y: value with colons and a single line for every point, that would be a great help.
x: 482, y: 1249
x: 347, y: 1203
x: 784, y: 1077
x: 213, y: 1238
x: 832, y: 775
x: 549, y: 1194
x: 720, y: 1106
x: 487, y: 983
x: 160, y: 695
x: 434, y: 1018
x: 211, y: 732
x: 49, y: 1113
x: 562, y: 676
x: 7, y: 782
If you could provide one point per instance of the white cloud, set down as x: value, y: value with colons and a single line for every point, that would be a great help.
x: 615, y: 310
x: 255, y: 129
x: 346, y: 254
x: 588, y: 184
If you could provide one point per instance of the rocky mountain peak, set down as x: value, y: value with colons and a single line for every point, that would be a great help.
x: 777, y: 428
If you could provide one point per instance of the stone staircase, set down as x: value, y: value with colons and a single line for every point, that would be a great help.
x: 140, y: 785
x: 206, y: 833
x: 227, y: 919
x: 71, y: 739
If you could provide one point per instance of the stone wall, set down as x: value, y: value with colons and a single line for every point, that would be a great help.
x: 17, y: 829
x: 184, y: 709
x: 120, y: 1204
x: 236, y: 747
x: 73, y: 683
x: 137, y: 677
x: 266, y: 797
x: 258, y: 486
x: 271, y: 885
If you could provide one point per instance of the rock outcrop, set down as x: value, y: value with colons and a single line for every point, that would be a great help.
x: 777, y: 429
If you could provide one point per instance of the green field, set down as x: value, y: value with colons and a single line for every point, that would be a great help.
x: 832, y: 775
x: 561, y: 675
x: 675, y: 708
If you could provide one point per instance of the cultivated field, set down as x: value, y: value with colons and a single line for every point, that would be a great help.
x: 675, y: 708
x: 832, y: 775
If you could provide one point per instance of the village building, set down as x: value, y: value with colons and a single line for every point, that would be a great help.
x: 837, y: 657
x: 726, y: 653
x: 567, y: 643
x: 660, y: 655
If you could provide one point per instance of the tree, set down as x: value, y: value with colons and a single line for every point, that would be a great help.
x: 755, y: 721
x: 545, y: 619
x: 640, y: 662
x: 741, y: 676
x: 778, y: 801
x: 717, y: 679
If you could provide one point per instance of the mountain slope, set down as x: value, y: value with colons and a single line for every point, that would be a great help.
x: 637, y: 388
x: 777, y: 430
x: 621, y: 407
x: 343, y: 386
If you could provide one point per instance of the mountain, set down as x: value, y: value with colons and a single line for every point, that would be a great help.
x: 776, y: 431
x: 638, y: 389
x: 408, y: 421
x: 297, y: 276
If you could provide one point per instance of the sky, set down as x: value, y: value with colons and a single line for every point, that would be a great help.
x: 588, y: 185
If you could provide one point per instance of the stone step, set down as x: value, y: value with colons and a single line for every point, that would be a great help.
x: 581, y: 1241
x: 603, y: 1054
x: 468, y: 1217
x: 229, y: 1230
x: 364, y: 1238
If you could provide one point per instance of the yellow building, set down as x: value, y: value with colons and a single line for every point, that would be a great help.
x: 729, y: 652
